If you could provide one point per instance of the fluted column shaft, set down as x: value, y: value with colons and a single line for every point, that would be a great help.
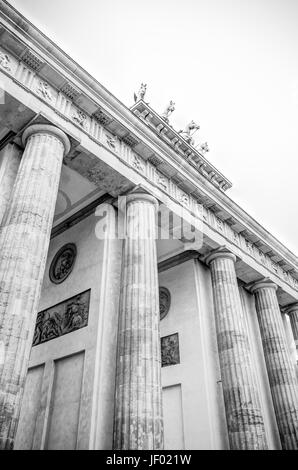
x: 242, y: 404
x: 138, y: 401
x: 10, y: 158
x: 280, y: 369
x: 292, y: 311
x: 24, y: 240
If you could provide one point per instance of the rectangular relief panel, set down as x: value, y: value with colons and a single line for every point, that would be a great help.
x: 65, y: 317
x: 30, y: 408
x: 173, y: 417
x: 170, y: 354
x: 65, y: 404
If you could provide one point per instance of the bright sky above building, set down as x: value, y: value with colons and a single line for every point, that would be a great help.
x: 231, y: 65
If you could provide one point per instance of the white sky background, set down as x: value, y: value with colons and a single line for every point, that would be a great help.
x: 231, y: 65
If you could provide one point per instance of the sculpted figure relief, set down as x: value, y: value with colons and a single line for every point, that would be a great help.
x: 137, y: 163
x: 187, y: 135
x: 63, y: 263
x: 141, y: 93
x: 48, y: 326
x: 204, y: 148
x: 63, y: 318
x: 168, y: 111
x: 4, y: 61
x: 44, y: 90
x: 80, y: 117
x: 76, y: 315
x: 170, y: 354
x: 112, y: 141
x: 164, y: 301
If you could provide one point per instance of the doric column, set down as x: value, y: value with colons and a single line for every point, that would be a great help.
x: 280, y: 369
x: 138, y: 400
x: 292, y: 311
x: 24, y: 240
x: 10, y: 157
x: 292, y: 345
x: 242, y: 404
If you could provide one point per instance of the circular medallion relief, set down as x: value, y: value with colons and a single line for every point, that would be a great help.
x: 63, y: 263
x: 164, y: 301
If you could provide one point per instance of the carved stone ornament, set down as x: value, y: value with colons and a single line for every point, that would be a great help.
x: 141, y: 93
x: 63, y: 318
x: 204, y: 148
x: 164, y: 301
x: 189, y: 131
x: 170, y: 354
x: 44, y: 90
x: 169, y: 110
x: 63, y: 263
x: 162, y: 181
x: 112, y: 142
x: 80, y: 118
x: 5, y: 61
x: 183, y: 198
x: 137, y: 163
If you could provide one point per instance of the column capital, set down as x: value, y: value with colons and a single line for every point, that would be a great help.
x: 263, y: 284
x: 47, y: 129
x: 221, y: 252
x: 141, y: 196
x: 291, y: 308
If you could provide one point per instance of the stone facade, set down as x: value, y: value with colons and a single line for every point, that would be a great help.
x: 139, y: 342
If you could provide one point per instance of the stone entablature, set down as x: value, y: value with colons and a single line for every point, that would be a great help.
x: 26, y: 73
x: 175, y: 140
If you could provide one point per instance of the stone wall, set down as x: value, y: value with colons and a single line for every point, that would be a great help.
x: 193, y: 404
x: 69, y: 394
x: 68, y: 401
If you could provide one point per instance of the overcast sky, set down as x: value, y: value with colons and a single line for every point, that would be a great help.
x: 231, y: 65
